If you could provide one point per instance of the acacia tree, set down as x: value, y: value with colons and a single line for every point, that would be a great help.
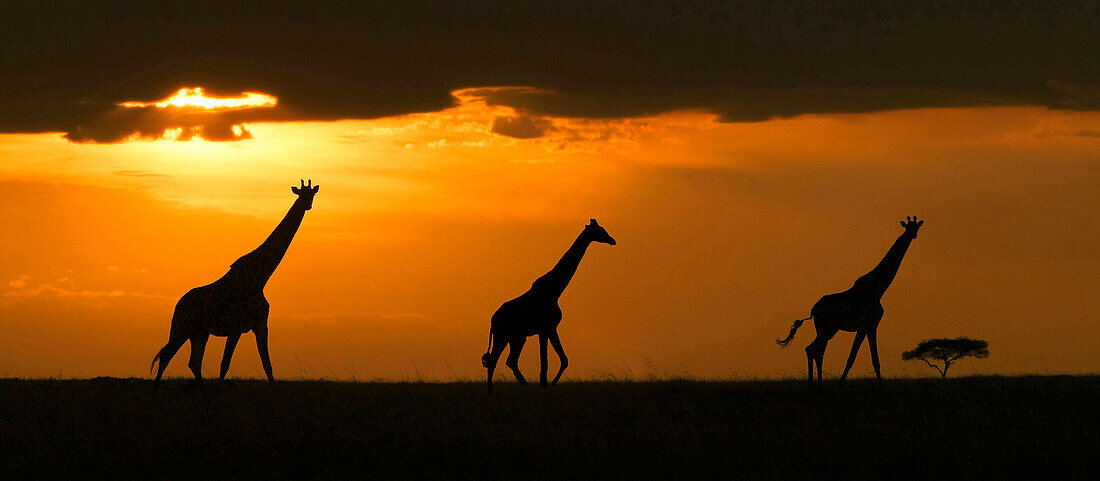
x: 947, y: 351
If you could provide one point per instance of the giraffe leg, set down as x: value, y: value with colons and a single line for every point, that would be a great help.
x: 815, y: 353
x: 852, y: 357
x: 556, y: 342
x: 542, y: 361
x: 513, y: 357
x: 230, y: 345
x: 872, y: 341
x: 819, y: 358
x: 165, y: 356
x: 198, y: 348
x: 498, y: 348
x: 261, y: 345
x: 811, y: 354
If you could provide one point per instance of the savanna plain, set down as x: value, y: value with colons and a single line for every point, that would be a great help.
x: 1029, y: 427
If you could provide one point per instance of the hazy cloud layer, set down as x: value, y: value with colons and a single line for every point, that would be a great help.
x: 67, y: 66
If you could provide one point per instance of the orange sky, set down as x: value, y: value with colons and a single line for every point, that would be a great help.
x: 426, y: 223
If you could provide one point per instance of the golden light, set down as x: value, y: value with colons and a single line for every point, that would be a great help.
x: 196, y: 98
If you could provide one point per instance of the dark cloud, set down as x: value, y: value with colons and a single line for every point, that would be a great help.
x: 519, y: 126
x: 1088, y: 133
x: 66, y: 65
x: 116, y: 124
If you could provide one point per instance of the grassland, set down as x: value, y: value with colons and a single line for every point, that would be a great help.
x: 968, y: 428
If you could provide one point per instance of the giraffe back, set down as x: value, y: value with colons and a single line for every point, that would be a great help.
x: 221, y: 309
x: 848, y: 311
x: 526, y: 315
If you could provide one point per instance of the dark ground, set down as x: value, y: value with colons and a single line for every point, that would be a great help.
x: 967, y: 428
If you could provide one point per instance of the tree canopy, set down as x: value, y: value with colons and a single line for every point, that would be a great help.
x: 947, y: 351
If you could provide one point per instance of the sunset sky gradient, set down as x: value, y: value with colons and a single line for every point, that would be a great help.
x: 735, y: 204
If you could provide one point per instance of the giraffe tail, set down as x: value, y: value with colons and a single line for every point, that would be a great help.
x: 797, y: 324
x: 155, y: 359
x: 159, y: 357
x: 485, y: 361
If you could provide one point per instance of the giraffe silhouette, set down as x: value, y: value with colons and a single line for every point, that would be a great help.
x: 537, y: 312
x: 235, y: 303
x: 858, y: 309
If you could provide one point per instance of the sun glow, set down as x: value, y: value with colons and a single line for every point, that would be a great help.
x: 196, y: 98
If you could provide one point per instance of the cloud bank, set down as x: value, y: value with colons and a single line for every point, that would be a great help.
x: 69, y: 65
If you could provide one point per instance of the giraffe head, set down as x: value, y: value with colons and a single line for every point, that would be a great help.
x: 595, y: 233
x: 911, y: 224
x: 306, y: 193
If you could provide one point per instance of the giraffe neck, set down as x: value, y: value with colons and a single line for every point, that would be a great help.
x: 879, y: 279
x: 553, y: 283
x: 257, y: 266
